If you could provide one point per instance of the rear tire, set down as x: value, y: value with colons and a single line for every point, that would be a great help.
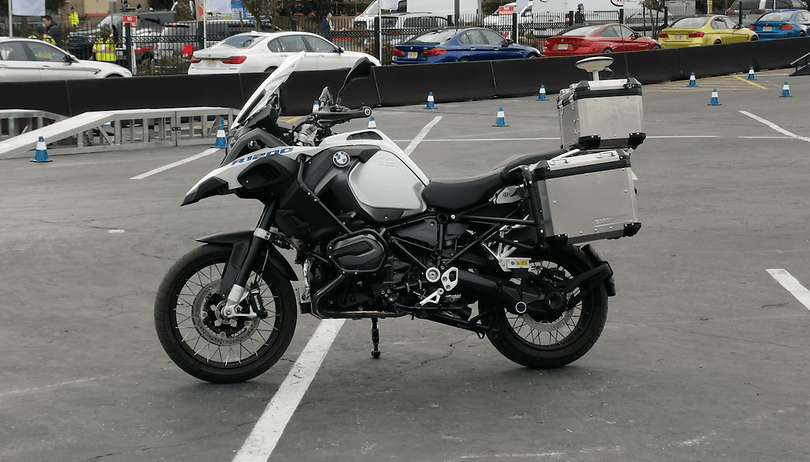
x: 607, y: 51
x: 552, y: 343
x: 199, y: 341
x: 270, y: 69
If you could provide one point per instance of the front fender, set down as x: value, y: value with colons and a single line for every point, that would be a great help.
x: 240, y: 241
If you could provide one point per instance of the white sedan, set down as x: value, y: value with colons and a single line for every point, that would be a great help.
x: 28, y: 60
x: 264, y: 52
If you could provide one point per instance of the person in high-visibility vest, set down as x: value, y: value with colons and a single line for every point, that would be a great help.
x: 73, y: 17
x: 104, y: 48
x: 41, y: 35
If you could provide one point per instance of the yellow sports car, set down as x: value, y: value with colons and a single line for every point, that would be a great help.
x: 697, y: 31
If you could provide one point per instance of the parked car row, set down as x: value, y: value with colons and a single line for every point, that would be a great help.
x: 28, y: 60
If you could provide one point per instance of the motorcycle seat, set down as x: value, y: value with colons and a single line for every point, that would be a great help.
x: 461, y: 193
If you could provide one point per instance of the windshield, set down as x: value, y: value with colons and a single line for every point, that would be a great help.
x: 777, y: 16
x: 241, y: 41
x: 581, y: 31
x: 440, y: 36
x: 690, y: 22
x: 263, y: 95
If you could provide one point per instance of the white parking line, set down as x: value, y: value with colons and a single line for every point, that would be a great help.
x: 792, y: 285
x: 179, y: 162
x: 775, y: 127
x: 265, y: 435
x: 422, y: 134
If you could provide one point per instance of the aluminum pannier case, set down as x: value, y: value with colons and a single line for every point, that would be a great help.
x: 601, y: 114
x: 587, y: 197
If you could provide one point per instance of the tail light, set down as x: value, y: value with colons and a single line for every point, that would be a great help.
x: 752, y: 27
x: 434, y: 52
x: 195, y: 60
x: 234, y: 60
x: 787, y: 27
x: 730, y: 12
x: 663, y: 35
x: 696, y: 34
x: 398, y: 52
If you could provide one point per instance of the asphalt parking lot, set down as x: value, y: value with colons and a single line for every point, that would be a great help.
x: 704, y: 356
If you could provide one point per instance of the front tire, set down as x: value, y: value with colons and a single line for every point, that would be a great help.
x: 200, y: 341
x: 552, y: 343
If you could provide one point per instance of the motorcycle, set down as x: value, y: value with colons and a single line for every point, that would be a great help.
x: 375, y: 238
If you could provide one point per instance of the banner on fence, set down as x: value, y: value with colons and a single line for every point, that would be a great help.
x: 28, y: 7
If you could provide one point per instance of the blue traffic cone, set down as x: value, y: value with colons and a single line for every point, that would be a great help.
x: 501, y: 120
x: 542, y: 95
x: 42, y: 152
x: 751, y: 75
x: 786, y: 90
x: 372, y: 125
x: 430, y: 102
x: 221, y: 141
x: 692, y: 82
x: 715, y: 98
x: 315, y: 107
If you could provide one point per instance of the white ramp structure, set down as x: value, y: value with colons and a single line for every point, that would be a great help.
x: 119, y: 130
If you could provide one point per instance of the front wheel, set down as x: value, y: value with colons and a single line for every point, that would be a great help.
x: 545, y: 343
x: 208, y: 345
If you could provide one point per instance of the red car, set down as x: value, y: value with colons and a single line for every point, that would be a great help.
x: 597, y: 39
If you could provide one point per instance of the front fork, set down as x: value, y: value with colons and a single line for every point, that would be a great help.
x: 243, y: 268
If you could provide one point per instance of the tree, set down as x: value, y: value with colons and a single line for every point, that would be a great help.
x: 261, y: 8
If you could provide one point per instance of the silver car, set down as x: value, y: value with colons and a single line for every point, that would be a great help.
x: 264, y: 52
x: 28, y: 60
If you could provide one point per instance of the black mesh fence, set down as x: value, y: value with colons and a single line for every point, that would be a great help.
x: 168, y: 48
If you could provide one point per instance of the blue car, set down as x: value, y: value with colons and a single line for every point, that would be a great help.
x: 449, y: 45
x: 782, y: 24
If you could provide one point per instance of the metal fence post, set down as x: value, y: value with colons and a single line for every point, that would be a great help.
x: 128, y: 45
x: 621, y: 15
x: 377, y: 38
x: 570, y: 18
x: 514, y: 27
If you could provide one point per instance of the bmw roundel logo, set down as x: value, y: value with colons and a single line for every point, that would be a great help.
x: 340, y: 158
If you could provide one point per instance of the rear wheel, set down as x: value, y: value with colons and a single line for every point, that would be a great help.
x: 543, y: 343
x: 464, y: 60
x: 270, y: 69
x: 607, y: 51
x: 718, y: 42
x: 656, y: 47
x: 208, y: 345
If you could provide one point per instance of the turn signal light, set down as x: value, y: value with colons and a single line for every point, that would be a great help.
x: 787, y: 27
x: 234, y: 60
x: 434, y: 52
x: 696, y: 34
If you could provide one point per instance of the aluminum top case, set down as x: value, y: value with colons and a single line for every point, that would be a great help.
x: 598, y: 114
x: 587, y: 197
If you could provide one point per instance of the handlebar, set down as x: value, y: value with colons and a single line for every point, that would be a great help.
x: 341, y: 114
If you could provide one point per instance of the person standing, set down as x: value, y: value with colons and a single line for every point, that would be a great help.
x: 40, y: 34
x: 73, y: 17
x: 579, y: 16
x: 104, y: 48
x: 326, y: 26
x: 52, y: 29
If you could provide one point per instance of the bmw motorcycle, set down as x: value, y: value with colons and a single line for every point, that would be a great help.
x: 374, y: 238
